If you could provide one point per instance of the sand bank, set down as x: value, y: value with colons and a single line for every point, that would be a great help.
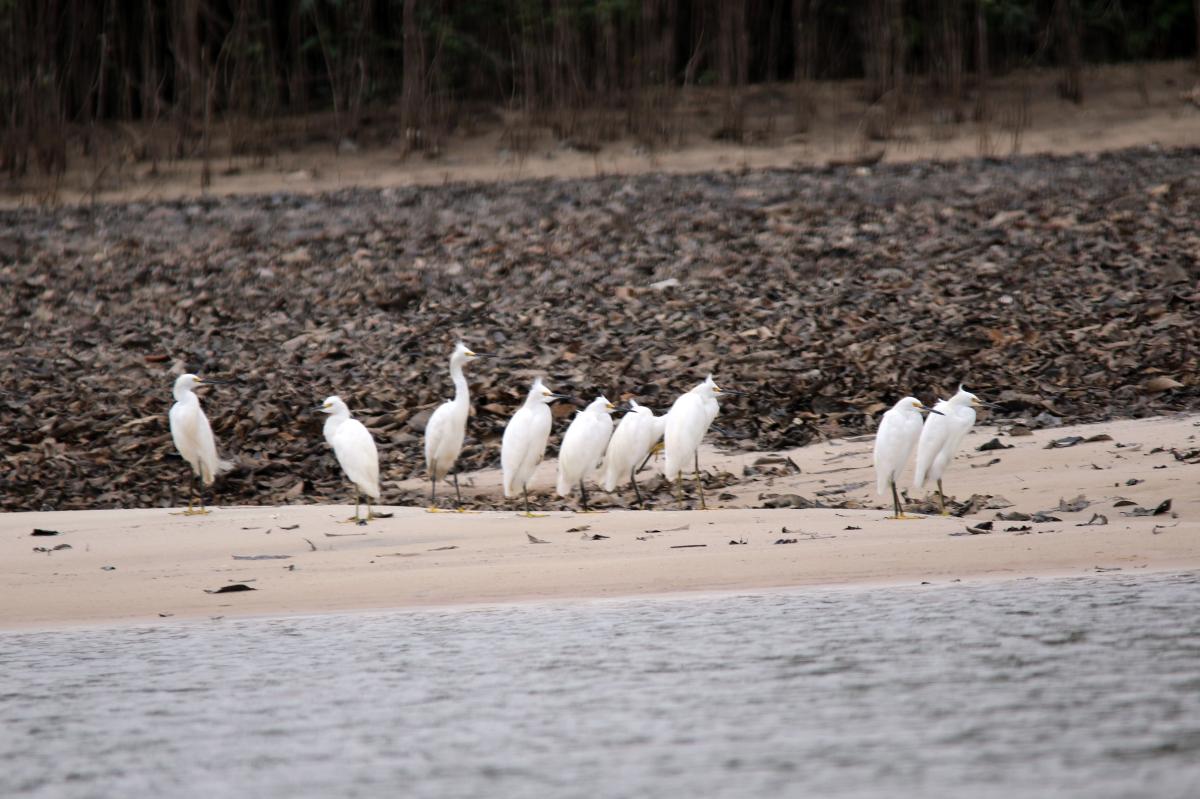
x: 162, y: 564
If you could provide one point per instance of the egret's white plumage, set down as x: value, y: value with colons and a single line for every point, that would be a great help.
x: 193, y: 435
x: 446, y: 428
x: 941, y: 437
x: 686, y: 423
x: 355, y: 450
x: 631, y: 442
x: 898, y: 432
x: 525, y: 438
x: 583, y: 446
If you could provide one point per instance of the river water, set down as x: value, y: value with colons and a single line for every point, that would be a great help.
x: 1086, y: 687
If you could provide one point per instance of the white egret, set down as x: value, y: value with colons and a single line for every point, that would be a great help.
x: 583, y: 446
x: 685, y: 426
x: 898, y: 432
x: 630, y: 445
x: 524, y: 442
x: 941, y: 437
x: 355, y: 451
x: 446, y: 428
x: 194, y: 438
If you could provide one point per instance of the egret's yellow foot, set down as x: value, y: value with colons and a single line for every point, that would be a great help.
x: 433, y: 509
x: 532, y: 515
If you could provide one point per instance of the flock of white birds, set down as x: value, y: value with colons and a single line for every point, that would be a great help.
x: 590, y: 446
x: 936, y: 440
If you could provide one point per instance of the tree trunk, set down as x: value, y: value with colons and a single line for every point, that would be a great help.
x: 952, y: 48
x: 1066, y: 23
x: 297, y: 82
x: 884, y: 48
x: 1196, y: 6
x: 981, y: 61
x: 412, y: 98
x: 804, y: 39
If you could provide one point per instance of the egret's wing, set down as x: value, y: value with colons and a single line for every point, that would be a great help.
x: 598, y: 434
x: 194, y: 439
x: 570, y: 454
x: 513, y: 447
x: 958, y: 427
x: 435, y: 430
x: 442, y: 441
x: 685, y: 428
x: 211, y: 465
x: 934, y: 435
x: 889, y: 441
x: 539, y: 434
x: 356, y: 452
x: 183, y: 431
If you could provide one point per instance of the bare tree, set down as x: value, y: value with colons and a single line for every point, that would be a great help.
x: 412, y: 98
x: 1066, y: 23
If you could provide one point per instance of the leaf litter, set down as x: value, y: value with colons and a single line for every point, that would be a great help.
x: 796, y: 284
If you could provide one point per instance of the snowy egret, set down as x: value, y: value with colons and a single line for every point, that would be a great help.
x: 685, y: 426
x: 898, y: 432
x: 446, y: 428
x: 355, y: 451
x: 630, y: 445
x: 524, y: 441
x: 941, y: 437
x: 194, y: 438
x: 583, y: 446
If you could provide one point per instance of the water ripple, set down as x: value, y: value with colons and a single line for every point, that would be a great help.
x: 1048, y: 688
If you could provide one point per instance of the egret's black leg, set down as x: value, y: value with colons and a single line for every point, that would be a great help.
x: 942, y: 498
x: 583, y: 495
x: 432, y: 491
x: 457, y: 493
x: 636, y: 490
x: 896, y: 501
x: 525, y: 490
x: 700, y: 483
x: 679, y: 488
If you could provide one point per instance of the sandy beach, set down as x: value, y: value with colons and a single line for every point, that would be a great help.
x: 163, y: 565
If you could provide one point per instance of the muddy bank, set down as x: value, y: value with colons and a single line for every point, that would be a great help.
x: 1060, y: 287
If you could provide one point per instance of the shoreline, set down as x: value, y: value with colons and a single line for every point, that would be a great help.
x: 415, y: 560
x: 583, y: 600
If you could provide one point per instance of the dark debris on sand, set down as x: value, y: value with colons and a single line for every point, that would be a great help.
x: 1061, y: 286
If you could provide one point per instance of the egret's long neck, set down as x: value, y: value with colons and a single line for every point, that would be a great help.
x: 461, y: 391
x: 183, y: 393
x: 336, y: 419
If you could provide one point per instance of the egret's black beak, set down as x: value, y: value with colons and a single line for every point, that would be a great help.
x: 991, y: 405
x: 929, y: 410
